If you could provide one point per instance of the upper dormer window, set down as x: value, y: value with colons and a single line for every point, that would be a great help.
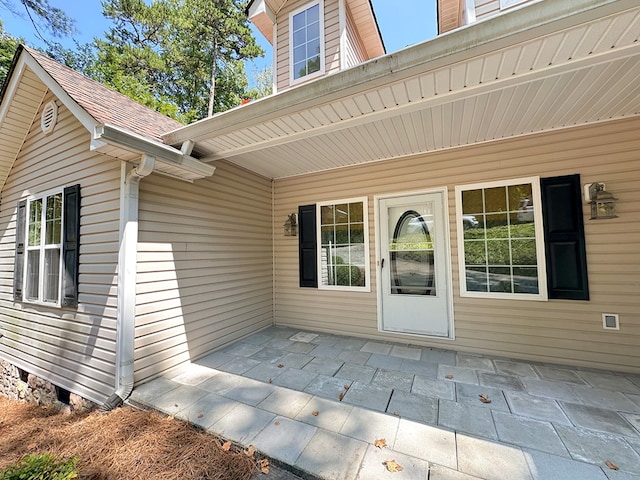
x: 306, y: 42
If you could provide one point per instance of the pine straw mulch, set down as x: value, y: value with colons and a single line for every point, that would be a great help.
x: 122, y: 444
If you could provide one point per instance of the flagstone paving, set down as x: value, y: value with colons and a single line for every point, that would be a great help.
x: 316, y: 403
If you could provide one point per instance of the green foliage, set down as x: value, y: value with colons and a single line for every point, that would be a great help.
x: 41, y: 467
x: 347, y: 275
x: 173, y: 49
x: 263, y: 84
x: 8, y: 46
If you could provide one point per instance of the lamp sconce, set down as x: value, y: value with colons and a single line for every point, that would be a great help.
x: 603, y: 203
x: 291, y: 225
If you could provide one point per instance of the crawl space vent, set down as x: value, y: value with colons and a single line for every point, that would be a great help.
x: 49, y: 117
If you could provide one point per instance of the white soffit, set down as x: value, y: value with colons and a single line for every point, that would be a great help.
x: 579, y: 70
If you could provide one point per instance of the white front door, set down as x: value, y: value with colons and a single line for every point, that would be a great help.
x: 414, y: 264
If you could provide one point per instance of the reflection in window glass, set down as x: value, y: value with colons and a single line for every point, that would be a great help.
x: 342, y: 245
x: 500, y: 251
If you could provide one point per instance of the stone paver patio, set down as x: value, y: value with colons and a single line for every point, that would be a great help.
x: 317, y: 402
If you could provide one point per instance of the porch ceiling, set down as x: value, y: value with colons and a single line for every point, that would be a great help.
x: 507, y: 76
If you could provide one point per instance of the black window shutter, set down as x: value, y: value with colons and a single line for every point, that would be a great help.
x: 18, y: 267
x: 71, y: 246
x: 307, y: 244
x: 564, y: 238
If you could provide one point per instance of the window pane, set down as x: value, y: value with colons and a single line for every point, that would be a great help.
x: 300, y: 56
x: 313, y: 14
x: 474, y: 253
x: 500, y: 280
x: 498, y: 252
x: 476, y: 279
x: 472, y: 202
x: 299, y: 21
x: 342, y: 213
x: 525, y: 280
x: 327, y: 235
x: 313, y: 49
x: 33, y: 274
x: 51, y: 274
x: 299, y: 69
x: 357, y: 233
x: 299, y: 40
x: 497, y: 226
x: 313, y: 33
x: 35, y: 221
x: 313, y: 65
x: 355, y: 212
x: 326, y: 215
x: 495, y: 199
x: 342, y: 234
x: 523, y: 252
x: 53, y: 219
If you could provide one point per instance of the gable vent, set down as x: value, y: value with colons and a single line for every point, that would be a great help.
x: 49, y: 117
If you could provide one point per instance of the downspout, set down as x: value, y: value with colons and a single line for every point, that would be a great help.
x: 127, y: 269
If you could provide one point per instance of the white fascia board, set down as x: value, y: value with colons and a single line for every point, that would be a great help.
x: 163, y: 153
x: 494, y: 33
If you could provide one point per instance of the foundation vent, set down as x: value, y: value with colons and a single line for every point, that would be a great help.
x: 49, y: 117
x: 611, y: 321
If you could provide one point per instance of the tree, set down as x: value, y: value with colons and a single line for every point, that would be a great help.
x: 8, y: 46
x: 43, y: 17
x: 185, y: 53
x: 262, y: 84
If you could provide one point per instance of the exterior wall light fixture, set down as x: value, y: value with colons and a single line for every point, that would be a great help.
x: 603, y: 203
x: 291, y: 225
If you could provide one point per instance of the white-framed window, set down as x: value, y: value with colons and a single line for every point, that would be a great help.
x: 43, y: 259
x: 306, y: 42
x: 343, y: 241
x: 501, y: 240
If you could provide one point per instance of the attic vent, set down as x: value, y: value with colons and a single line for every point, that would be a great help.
x: 49, y: 117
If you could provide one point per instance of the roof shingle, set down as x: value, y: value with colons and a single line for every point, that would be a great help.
x: 106, y: 105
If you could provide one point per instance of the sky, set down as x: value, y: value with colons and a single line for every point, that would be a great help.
x: 402, y: 23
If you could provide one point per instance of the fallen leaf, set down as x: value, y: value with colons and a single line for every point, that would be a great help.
x: 611, y: 465
x: 315, y: 413
x: 264, y: 466
x: 396, y: 413
x: 448, y: 377
x: 484, y: 398
x: 380, y: 443
x: 277, y: 424
x: 32, y: 446
x: 341, y: 396
x: 392, y: 466
x: 347, y: 387
x: 250, y: 451
x: 226, y: 446
x: 200, y: 415
x: 280, y: 365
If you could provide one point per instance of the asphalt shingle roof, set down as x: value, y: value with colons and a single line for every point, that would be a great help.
x: 106, y: 105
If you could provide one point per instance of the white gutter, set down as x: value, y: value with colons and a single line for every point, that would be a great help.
x: 127, y: 270
x: 165, y: 154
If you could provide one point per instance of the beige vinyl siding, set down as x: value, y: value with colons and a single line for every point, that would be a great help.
x: 449, y: 15
x: 331, y: 37
x: 355, y: 51
x: 72, y: 348
x: 205, y: 266
x: 552, y: 331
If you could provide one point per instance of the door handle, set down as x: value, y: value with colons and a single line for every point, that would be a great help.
x: 382, y: 263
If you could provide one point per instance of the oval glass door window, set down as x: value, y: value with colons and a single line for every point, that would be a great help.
x: 411, y: 252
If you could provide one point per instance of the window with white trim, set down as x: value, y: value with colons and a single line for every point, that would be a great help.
x: 306, y: 41
x: 343, y: 253
x: 501, y: 240
x: 44, y: 248
x: 47, y: 247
